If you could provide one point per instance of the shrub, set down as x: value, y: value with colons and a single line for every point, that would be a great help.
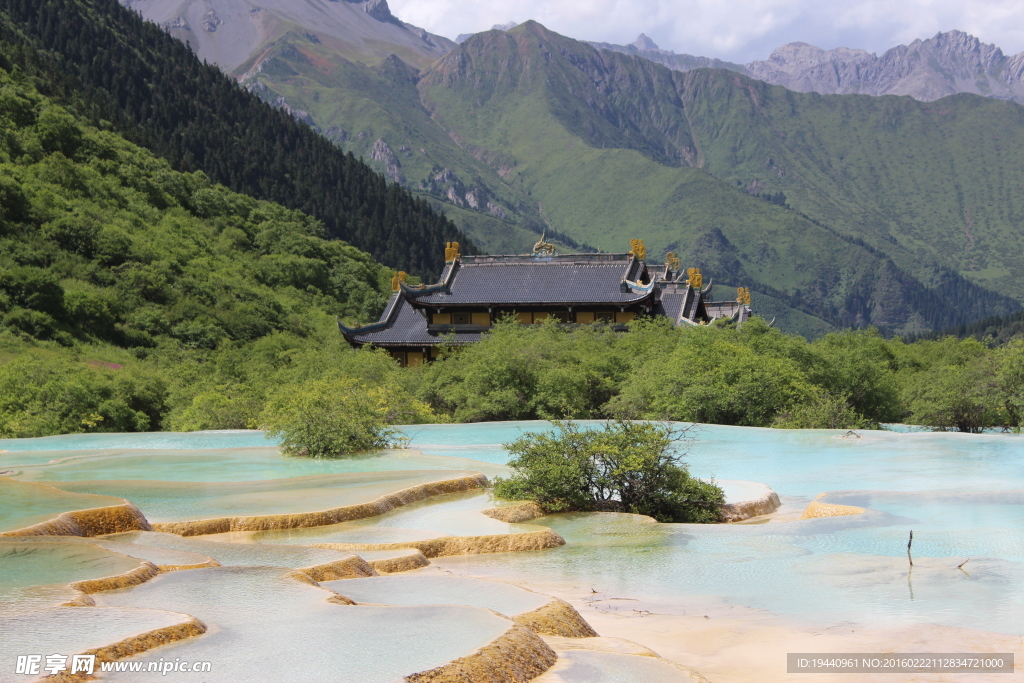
x: 328, y: 419
x: 622, y: 466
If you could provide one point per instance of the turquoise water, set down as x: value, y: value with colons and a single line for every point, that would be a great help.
x: 233, y: 438
x: 849, y: 569
x: 35, y: 562
x: 163, y: 501
x: 218, y: 465
x: 794, y: 462
x: 25, y: 504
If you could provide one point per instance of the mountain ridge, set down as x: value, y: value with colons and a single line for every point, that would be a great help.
x: 946, y: 64
x: 232, y: 32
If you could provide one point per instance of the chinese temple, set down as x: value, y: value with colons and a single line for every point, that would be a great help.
x: 474, y: 292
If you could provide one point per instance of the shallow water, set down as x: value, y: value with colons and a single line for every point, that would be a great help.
x: 41, y: 561
x: 849, y: 569
x: 227, y: 438
x: 25, y: 504
x: 227, y: 554
x: 267, y: 627
x: 794, y: 462
x: 431, y: 589
x: 454, y: 514
x: 70, y: 630
x: 177, y: 501
x: 584, y: 666
x: 220, y: 465
x: 158, y: 556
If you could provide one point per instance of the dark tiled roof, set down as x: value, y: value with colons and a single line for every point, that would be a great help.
x: 402, y: 325
x: 671, y: 304
x: 729, y: 309
x: 563, y: 279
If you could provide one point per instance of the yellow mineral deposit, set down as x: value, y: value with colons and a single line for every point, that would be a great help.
x: 94, y: 521
x: 465, y: 545
x: 413, y: 559
x: 816, y: 508
x: 134, y: 577
x: 135, y: 645
x: 379, y: 506
x: 348, y: 568
x: 557, y: 618
x: 516, y: 656
x: 516, y: 513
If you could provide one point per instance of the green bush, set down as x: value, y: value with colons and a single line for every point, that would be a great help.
x: 622, y: 466
x: 325, y: 419
x: 40, y: 396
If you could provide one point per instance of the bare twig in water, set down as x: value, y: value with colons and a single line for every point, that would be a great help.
x: 909, y: 543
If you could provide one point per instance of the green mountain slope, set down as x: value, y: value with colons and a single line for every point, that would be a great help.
x: 376, y: 112
x: 108, y: 63
x: 101, y: 242
x: 615, y: 147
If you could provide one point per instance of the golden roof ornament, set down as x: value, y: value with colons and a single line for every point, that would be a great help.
x: 695, y: 279
x: 400, y: 276
x: 451, y: 251
x: 542, y: 248
x: 673, y: 262
x: 637, y: 248
x: 743, y: 295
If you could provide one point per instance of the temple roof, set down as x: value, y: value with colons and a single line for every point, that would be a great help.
x: 562, y: 279
x: 401, y: 325
x: 681, y: 303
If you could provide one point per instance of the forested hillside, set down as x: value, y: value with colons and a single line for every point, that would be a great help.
x: 107, y: 63
x: 112, y: 262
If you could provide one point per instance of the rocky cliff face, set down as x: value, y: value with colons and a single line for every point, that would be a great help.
x: 946, y: 64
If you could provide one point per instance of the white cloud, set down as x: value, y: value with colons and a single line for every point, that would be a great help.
x: 736, y: 30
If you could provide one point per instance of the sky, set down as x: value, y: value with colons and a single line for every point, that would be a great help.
x: 733, y: 30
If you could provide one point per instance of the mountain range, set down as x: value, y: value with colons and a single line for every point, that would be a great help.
x: 927, y: 70
x: 837, y: 210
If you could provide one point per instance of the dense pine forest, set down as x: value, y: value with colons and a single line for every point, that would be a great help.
x: 105, y: 62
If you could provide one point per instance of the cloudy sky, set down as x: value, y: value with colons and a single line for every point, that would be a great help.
x: 735, y: 30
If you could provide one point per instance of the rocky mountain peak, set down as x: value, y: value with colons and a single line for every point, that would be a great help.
x: 379, y: 10
x: 645, y: 43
